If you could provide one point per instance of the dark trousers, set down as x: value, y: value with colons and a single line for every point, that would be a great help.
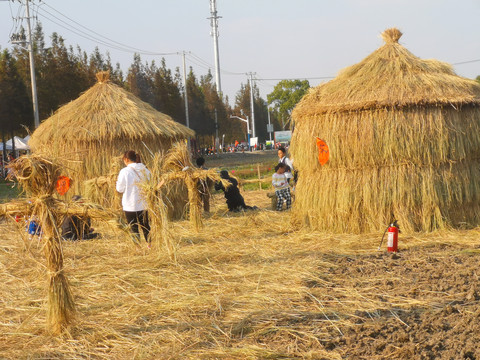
x: 136, y: 218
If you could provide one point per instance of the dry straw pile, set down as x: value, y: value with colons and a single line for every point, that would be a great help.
x: 404, y: 144
x: 102, y: 124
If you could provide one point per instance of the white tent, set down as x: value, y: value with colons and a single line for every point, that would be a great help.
x: 20, y: 144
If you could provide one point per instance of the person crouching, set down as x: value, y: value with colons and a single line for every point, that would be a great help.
x: 235, y: 201
x: 280, y: 184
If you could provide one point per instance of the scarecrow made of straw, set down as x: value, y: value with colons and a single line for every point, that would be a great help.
x: 38, y: 177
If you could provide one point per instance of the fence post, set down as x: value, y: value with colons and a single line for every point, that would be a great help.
x: 259, y: 178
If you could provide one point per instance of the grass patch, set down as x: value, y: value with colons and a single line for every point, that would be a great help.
x: 7, y: 192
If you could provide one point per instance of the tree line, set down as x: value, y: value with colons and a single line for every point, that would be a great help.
x: 64, y: 72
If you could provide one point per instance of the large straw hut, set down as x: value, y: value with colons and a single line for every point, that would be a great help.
x: 403, y: 136
x: 99, y: 126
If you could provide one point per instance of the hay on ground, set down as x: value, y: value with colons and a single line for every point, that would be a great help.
x: 245, y: 287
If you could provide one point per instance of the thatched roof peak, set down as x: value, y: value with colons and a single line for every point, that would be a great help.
x: 391, y: 76
x: 103, y: 76
x: 391, y: 35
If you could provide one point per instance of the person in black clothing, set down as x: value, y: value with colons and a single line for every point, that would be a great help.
x: 75, y: 227
x: 204, y: 186
x: 235, y: 201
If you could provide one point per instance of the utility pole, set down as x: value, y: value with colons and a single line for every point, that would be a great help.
x: 214, y: 33
x: 217, y: 140
x: 270, y: 127
x: 187, y: 118
x: 36, y: 117
x: 252, y: 111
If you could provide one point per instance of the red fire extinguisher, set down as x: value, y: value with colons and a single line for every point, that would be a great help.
x: 392, y: 238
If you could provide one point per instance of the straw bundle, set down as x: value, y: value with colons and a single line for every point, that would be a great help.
x: 403, y: 139
x: 158, y: 210
x: 102, y: 123
x: 178, y: 172
x: 101, y: 190
x: 38, y: 178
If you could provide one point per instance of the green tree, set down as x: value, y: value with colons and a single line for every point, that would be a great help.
x: 138, y: 82
x: 242, y: 104
x: 60, y: 76
x: 200, y: 119
x: 116, y: 74
x: 286, y: 95
x: 60, y: 72
x: 167, y: 96
x: 215, y: 106
x: 15, y: 105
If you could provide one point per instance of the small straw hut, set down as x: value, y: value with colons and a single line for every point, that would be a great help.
x: 101, y: 125
x: 403, y: 136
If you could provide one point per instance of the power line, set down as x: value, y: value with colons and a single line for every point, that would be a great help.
x: 85, y: 35
x: 466, y: 62
x: 145, y: 52
x: 301, y: 78
x: 211, y: 66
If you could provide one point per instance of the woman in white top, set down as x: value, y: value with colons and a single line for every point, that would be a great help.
x: 133, y: 202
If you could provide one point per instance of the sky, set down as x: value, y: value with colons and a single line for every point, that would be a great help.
x: 275, y: 39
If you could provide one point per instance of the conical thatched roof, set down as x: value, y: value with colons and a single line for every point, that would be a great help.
x: 107, y: 112
x: 390, y: 76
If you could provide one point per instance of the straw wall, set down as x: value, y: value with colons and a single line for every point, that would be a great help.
x: 419, y: 165
x: 84, y: 161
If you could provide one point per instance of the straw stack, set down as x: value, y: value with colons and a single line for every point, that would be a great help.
x: 404, y: 144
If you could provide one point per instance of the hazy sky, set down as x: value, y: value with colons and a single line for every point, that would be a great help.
x: 274, y: 38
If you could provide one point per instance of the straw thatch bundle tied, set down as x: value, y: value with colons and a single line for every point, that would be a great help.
x: 101, y: 190
x: 101, y: 124
x: 177, y: 172
x: 403, y: 140
x: 391, y: 35
x: 38, y: 178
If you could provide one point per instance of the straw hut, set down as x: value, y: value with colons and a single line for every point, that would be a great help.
x: 101, y: 125
x: 403, y: 135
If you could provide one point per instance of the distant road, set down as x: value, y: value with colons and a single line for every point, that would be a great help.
x: 239, y: 158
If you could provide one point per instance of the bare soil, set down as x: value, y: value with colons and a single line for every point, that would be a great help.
x: 427, y: 303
